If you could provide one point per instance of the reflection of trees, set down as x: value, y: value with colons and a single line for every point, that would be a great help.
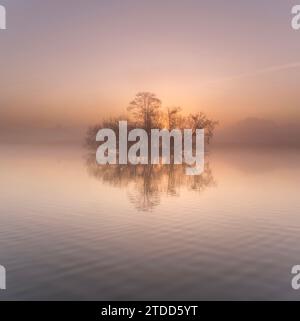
x: 146, y: 183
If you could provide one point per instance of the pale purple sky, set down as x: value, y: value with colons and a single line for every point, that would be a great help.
x: 70, y: 62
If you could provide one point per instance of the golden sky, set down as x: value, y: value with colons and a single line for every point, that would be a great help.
x: 71, y: 62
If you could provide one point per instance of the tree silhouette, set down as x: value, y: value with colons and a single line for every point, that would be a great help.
x: 200, y: 120
x: 145, y: 110
x: 174, y: 120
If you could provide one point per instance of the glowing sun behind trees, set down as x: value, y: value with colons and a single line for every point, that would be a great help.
x: 147, y: 136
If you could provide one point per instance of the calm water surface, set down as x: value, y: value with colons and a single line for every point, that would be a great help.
x: 72, y: 230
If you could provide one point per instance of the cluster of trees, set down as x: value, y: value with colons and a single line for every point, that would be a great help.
x: 145, y: 111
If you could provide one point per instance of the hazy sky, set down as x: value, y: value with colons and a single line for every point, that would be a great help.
x: 70, y: 62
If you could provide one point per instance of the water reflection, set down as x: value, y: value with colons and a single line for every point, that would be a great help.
x: 146, y: 183
x: 61, y: 226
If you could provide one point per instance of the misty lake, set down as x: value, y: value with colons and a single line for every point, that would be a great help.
x: 72, y: 230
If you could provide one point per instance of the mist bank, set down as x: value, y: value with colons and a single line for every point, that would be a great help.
x: 247, y: 132
x: 259, y: 132
x: 40, y: 135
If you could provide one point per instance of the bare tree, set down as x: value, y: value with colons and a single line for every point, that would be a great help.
x: 145, y: 109
x: 200, y: 121
x: 173, y: 117
x: 145, y: 112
